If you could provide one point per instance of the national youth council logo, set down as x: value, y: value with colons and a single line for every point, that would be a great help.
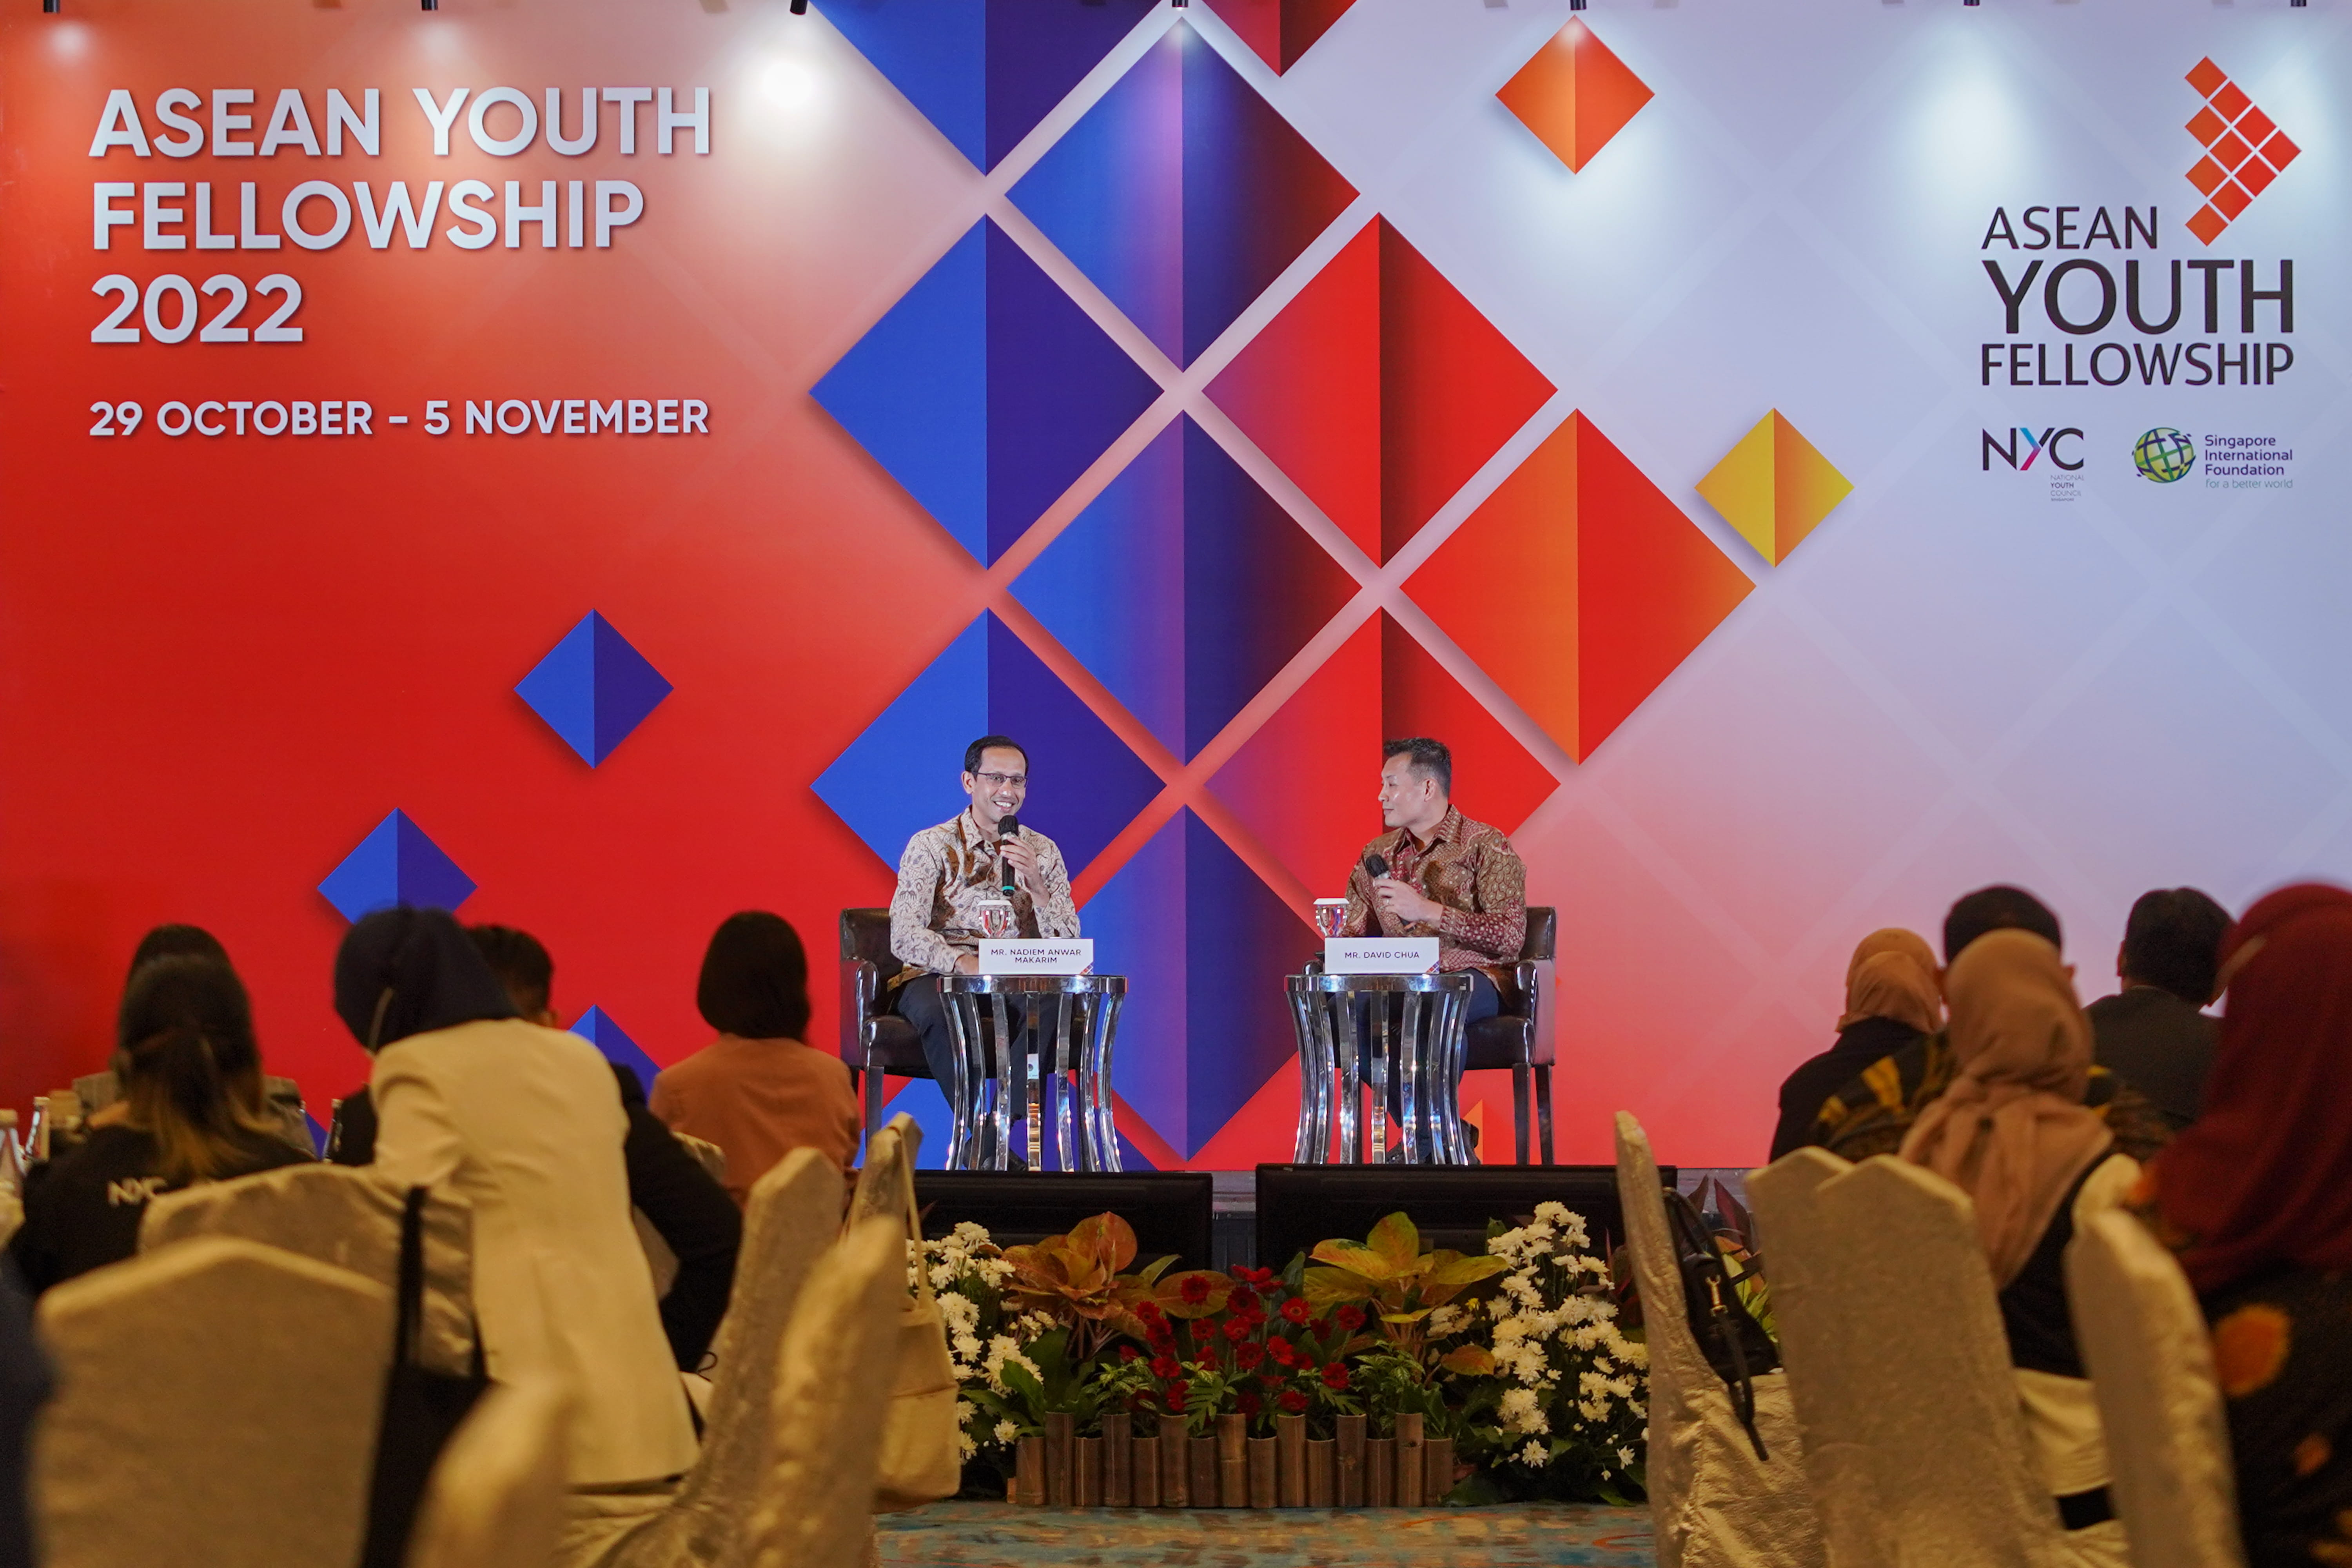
x: 2164, y: 455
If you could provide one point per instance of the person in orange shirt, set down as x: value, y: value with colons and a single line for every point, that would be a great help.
x: 756, y: 1091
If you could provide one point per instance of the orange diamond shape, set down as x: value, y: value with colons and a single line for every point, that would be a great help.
x: 2208, y: 225
x: 2254, y: 175
x: 1574, y: 94
x: 2231, y: 100
x: 2232, y: 199
x: 2253, y: 125
x: 2279, y: 152
x: 2208, y: 77
x: 2229, y: 151
x: 2208, y: 176
x: 2208, y: 126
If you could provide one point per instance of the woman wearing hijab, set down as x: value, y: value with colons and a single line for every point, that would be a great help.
x: 2013, y: 1131
x: 526, y: 1122
x: 1890, y: 1001
x: 756, y: 1091
x: 2256, y: 1197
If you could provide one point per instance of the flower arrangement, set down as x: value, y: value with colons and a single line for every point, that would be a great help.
x: 1511, y: 1359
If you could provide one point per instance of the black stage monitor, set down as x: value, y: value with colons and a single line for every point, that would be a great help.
x: 1298, y: 1206
x: 1171, y: 1210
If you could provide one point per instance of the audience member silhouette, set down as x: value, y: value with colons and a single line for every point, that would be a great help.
x: 2256, y: 1197
x: 2154, y: 1034
x: 1891, y: 1003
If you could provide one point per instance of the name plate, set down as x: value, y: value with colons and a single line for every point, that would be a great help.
x: 1038, y: 955
x: 1380, y: 955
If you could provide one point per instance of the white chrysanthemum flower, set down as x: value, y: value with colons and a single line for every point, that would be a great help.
x: 1625, y: 1457
x: 969, y: 1236
x: 1006, y: 1431
x: 965, y: 1446
x: 1535, y: 1455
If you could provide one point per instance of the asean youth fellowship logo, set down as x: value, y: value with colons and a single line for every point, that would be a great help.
x: 2164, y: 455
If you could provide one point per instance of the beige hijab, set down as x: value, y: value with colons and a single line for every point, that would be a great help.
x: 2011, y: 1129
x: 1893, y: 975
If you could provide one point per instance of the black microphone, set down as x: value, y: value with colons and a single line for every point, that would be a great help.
x: 1008, y: 827
x: 1376, y: 865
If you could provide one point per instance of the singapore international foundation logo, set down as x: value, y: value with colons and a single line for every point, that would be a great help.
x: 2164, y: 455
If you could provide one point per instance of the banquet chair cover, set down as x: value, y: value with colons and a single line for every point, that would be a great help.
x: 815, y: 1511
x: 1712, y: 1501
x: 1915, y: 1437
x: 217, y: 1402
x: 793, y: 1215
x: 2151, y: 1365
x: 348, y: 1217
x: 495, y: 1497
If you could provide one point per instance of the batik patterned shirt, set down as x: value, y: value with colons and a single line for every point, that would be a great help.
x: 945, y: 876
x: 1469, y: 867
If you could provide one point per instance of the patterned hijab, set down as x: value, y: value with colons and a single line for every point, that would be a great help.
x: 2263, y: 1176
x: 1893, y: 975
x: 2011, y: 1129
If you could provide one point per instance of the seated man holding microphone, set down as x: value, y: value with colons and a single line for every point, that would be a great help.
x: 1437, y: 873
x: 950, y: 878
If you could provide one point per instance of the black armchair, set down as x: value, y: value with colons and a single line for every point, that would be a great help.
x: 874, y: 1040
x: 1512, y: 1040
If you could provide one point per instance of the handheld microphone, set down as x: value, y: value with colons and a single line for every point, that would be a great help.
x: 1377, y: 865
x: 1009, y: 827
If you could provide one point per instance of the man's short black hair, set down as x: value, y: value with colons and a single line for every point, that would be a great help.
x: 522, y: 965
x: 2173, y: 941
x: 1431, y: 760
x: 1997, y: 909
x: 971, y: 754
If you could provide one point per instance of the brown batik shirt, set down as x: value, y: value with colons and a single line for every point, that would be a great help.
x: 945, y: 876
x: 1469, y: 867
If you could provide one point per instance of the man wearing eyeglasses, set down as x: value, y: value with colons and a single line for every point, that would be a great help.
x: 951, y: 873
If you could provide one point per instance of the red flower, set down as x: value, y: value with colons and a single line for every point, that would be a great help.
x: 1148, y: 1311
x: 1236, y: 1329
x: 1334, y: 1376
x: 1167, y: 1367
x: 1248, y: 1405
x: 1127, y: 1353
x: 1196, y: 1290
x: 1281, y: 1351
x: 1175, y: 1395
x: 1320, y: 1328
x: 1295, y: 1310
x: 1247, y: 1356
x: 1242, y: 1301
x: 1261, y: 1279
x: 1161, y: 1338
x: 1293, y: 1402
x: 1349, y: 1317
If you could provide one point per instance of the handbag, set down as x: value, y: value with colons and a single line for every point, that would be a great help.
x: 421, y: 1407
x: 922, y: 1433
x: 1734, y: 1343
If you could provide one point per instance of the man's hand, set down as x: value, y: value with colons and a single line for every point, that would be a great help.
x: 1023, y: 861
x: 1403, y: 901
x: 967, y: 964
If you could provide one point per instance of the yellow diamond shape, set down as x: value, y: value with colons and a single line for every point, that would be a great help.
x: 1774, y: 486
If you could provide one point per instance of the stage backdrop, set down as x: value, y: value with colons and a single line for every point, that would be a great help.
x: 594, y: 465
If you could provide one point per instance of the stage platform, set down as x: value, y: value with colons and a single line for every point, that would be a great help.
x: 993, y: 1535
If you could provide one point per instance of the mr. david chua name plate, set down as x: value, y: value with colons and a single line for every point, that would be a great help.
x: 1380, y: 955
x: 1040, y: 955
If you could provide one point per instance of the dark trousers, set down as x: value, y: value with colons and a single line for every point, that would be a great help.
x: 1485, y: 1003
x: 921, y: 1004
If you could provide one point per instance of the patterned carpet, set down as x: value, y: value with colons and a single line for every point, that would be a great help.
x: 992, y: 1535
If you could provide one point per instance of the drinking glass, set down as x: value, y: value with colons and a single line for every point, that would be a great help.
x: 996, y: 918
x: 1330, y: 914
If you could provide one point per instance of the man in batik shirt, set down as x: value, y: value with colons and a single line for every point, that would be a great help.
x: 947, y: 875
x: 1448, y: 877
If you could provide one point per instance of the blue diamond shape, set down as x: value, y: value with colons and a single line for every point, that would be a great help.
x: 596, y: 1027
x: 593, y: 689
x: 395, y: 863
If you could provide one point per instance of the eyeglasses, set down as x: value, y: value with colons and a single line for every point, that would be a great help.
x: 994, y: 781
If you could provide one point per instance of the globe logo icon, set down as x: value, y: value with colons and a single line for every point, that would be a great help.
x: 2164, y: 455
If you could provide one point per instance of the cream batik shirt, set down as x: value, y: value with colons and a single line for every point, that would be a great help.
x: 945, y: 876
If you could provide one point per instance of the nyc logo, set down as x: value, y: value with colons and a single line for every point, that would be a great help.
x: 2010, y: 442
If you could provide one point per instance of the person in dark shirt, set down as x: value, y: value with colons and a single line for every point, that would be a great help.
x: 689, y: 1210
x: 2154, y: 1034
x: 1891, y: 1002
x: 190, y: 1071
x: 25, y: 1386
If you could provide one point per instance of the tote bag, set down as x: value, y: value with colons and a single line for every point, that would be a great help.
x: 920, y: 1436
x: 421, y: 1408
